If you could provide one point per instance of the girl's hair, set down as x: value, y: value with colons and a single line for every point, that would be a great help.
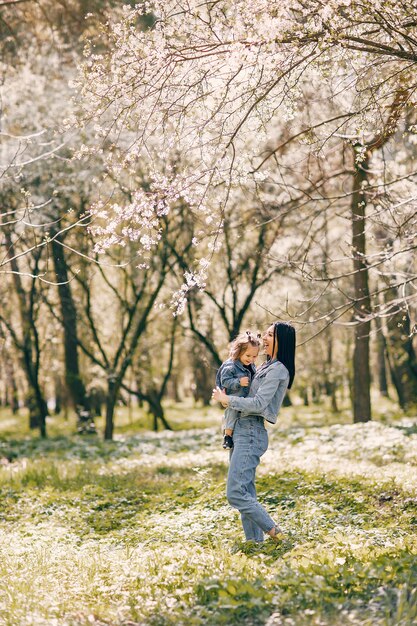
x: 242, y: 342
x: 284, y: 333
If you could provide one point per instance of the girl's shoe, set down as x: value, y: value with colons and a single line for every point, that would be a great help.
x: 227, y: 442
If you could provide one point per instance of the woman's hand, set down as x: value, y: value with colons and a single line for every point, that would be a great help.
x: 220, y: 396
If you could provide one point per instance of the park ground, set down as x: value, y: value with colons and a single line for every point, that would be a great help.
x: 138, y: 531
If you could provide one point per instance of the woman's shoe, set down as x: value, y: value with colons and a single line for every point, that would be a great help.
x: 278, y: 536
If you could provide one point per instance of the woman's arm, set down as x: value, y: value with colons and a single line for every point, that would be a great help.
x: 263, y: 396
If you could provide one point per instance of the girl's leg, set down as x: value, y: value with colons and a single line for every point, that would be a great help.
x: 229, y: 422
x: 251, y: 442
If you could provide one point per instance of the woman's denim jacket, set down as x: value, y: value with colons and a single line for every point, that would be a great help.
x: 266, y: 393
x: 228, y: 378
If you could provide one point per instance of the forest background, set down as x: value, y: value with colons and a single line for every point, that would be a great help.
x: 171, y: 175
x: 262, y: 197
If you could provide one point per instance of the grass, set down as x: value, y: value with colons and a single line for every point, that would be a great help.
x: 138, y: 532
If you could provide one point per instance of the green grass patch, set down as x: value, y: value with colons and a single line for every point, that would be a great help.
x: 138, y: 531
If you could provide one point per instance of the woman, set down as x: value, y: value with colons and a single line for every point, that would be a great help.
x: 263, y: 402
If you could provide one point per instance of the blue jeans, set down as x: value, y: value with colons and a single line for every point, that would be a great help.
x: 250, y: 439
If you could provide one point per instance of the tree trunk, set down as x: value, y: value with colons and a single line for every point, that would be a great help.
x: 174, y: 388
x: 112, y: 392
x: 362, y: 308
x: 204, y: 373
x: 157, y: 410
x: 13, y: 395
x: 361, y: 370
x: 315, y: 393
x: 330, y: 383
x: 402, y: 359
x: 304, y: 396
x: 73, y: 377
x: 97, y: 397
x: 58, y: 395
x: 38, y: 409
x: 29, y: 343
x: 382, y: 370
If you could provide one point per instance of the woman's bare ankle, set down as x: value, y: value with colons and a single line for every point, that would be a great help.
x: 276, y: 533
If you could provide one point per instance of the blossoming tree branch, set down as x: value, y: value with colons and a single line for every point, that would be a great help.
x: 306, y: 108
x: 217, y: 96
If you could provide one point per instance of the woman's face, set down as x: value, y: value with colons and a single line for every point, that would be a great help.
x: 268, y: 341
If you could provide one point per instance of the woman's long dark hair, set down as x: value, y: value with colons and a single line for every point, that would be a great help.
x: 285, y: 335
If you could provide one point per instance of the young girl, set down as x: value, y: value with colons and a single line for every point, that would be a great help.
x: 235, y: 376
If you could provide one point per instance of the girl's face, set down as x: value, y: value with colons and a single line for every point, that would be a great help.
x: 268, y: 340
x: 249, y: 355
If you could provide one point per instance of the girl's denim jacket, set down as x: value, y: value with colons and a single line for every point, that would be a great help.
x: 266, y: 392
x: 228, y: 378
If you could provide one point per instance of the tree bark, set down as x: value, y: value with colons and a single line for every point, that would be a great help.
x: 12, y: 391
x: 28, y: 344
x: 112, y: 393
x: 329, y: 381
x: 361, y: 382
x: 382, y: 370
x: 73, y: 379
x: 402, y: 359
x: 362, y: 301
x: 157, y: 410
